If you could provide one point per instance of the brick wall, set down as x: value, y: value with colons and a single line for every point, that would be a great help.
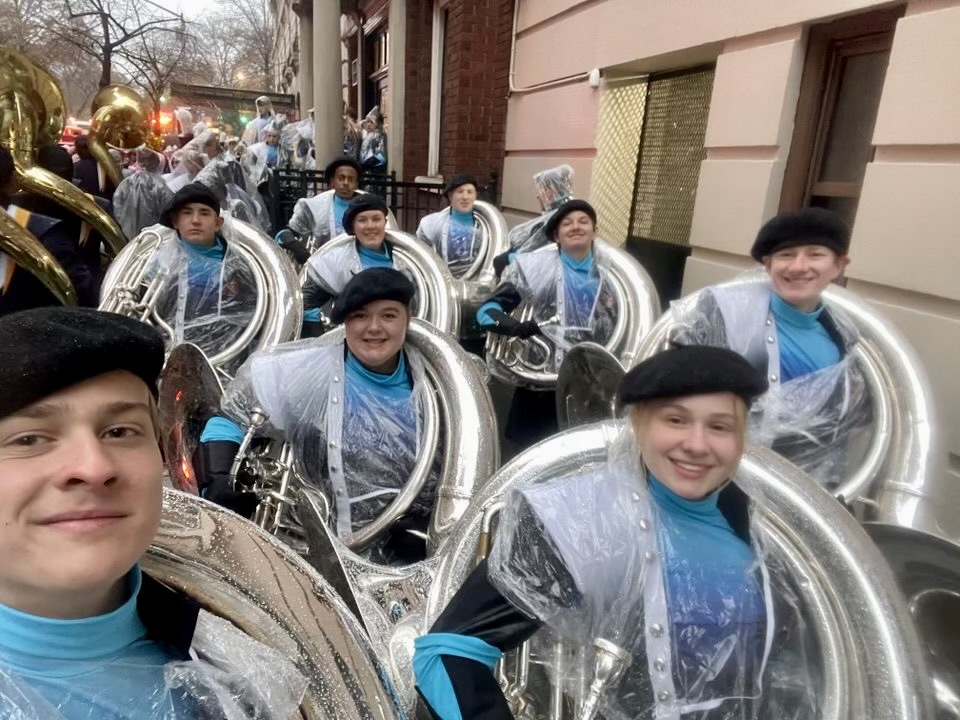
x: 417, y: 99
x: 476, y: 66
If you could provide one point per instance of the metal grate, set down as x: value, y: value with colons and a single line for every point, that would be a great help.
x: 671, y: 150
x: 618, y: 140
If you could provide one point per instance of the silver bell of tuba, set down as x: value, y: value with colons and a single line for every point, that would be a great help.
x: 902, y: 479
x: 870, y: 659
x: 534, y: 362
x: 134, y: 281
x: 436, y: 296
x: 243, y: 575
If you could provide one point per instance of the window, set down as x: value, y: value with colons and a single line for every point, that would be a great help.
x: 670, y: 154
x: 839, y: 96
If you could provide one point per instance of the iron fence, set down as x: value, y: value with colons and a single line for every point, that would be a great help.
x: 410, y: 202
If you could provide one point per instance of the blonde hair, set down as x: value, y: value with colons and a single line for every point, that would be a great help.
x: 640, y: 414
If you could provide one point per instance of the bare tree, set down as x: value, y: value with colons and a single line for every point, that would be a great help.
x: 25, y: 25
x: 105, y: 29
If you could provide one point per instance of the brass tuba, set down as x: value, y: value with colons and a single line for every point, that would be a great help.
x: 533, y: 362
x: 32, y: 114
x: 132, y: 284
x: 436, y: 298
x: 30, y: 254
x: 245, y: 576
x: 120, y: 119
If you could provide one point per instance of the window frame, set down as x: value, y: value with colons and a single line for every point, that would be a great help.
x: 828, y: 45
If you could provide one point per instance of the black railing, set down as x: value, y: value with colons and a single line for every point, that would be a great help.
x: 409, y: 201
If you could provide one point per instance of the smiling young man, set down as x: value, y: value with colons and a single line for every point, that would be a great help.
x: 567, y: 286
x: 454, y: 232
x: 782, y: 327
x: 83, y: 632
x: 320, y: 218
x: 351, y: 407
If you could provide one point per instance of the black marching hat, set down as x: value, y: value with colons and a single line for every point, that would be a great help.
x: 369, y: 285
x: 194, y: 192
x: 331, y: 169
x: 460, y: 180
x: 692, y: 370
x: 362, y: 203
x: 48, y: 349
x: 550, y: 229
x: 809, y: 226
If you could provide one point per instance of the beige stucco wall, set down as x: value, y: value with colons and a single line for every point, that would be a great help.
x: 906, y: 238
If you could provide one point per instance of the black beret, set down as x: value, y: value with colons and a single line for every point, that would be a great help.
x: 692, y: 370
x: 459, y: 181
x: 362, y: 203
x: 47, y: 349
x: 331, y: 169
x: 57, y: 160
x: 550, y: 229
x: 809, y: 226
x: 369, y: 285
x: 195, y: 192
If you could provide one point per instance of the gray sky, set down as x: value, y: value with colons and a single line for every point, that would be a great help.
x: 191, y: 9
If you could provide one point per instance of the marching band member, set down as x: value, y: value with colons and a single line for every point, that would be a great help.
x: 141, y: 198
x: 207, y: 296
x: 352, y: 411
x: 321, y: 216
x: 328, y: 273
x: 373, y: 148
x: 85, y: 634
x: 818, y: 400
x: 19, y: 289
x: 454, y: 232
x: 554, y: 188
x: 256, y: 128
x: 652, y: 551
x: 568, y: 285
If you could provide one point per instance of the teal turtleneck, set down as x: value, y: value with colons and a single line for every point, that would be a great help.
x: 805, y: 344
x: 102, y: 666
x: 581, y: 284
x: 374, y: 258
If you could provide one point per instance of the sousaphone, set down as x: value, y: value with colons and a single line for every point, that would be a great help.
x: 32, y: 114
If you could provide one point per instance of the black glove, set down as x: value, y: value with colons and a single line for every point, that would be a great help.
x: 507, y: 325
x: 501, y: 261
x: 212, y: 462
x: 297, y: 247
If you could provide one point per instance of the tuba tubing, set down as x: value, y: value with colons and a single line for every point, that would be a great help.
x: 31, y: 255
x: 639, y: 307
x: 240, y: 573
x: 437, y: 295
x: 869, y: 650
x: 903, y: 479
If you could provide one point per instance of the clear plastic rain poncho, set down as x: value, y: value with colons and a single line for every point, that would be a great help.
x: 230, y: 677
x: 822, y: 421
x: 590, y: 557
x: 224, y: 177
x: 567, y: 312
x: 554, y: 187
x: 141, y: 198
x: 351, y: 441
x: 373, y: 149
x: 296, y: 145
x: 203, y: 300
x: 457, y: 244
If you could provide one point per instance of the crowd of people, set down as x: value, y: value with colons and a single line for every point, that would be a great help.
x: 86, y: 634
